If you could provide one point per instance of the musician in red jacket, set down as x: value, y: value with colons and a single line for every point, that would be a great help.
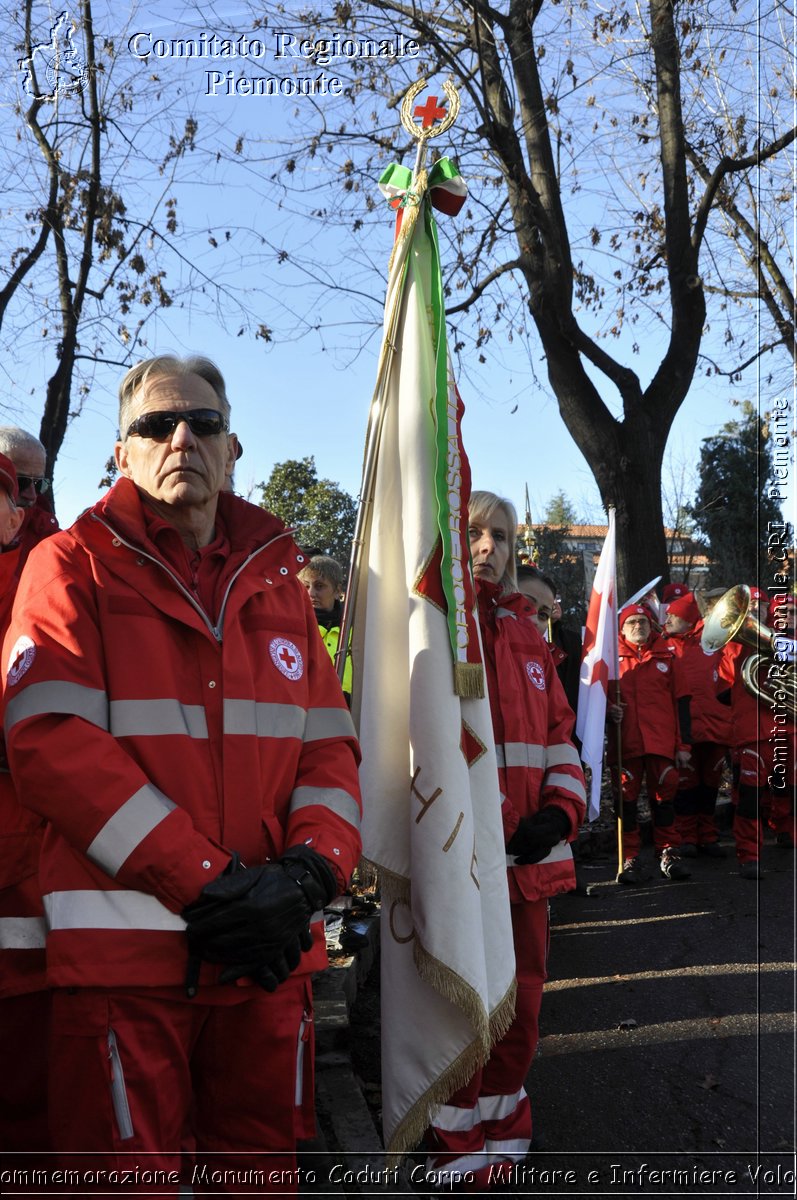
x: 172, y: 713
x: 763, y: 737
x: 652, y: 745
x: 698, y: 782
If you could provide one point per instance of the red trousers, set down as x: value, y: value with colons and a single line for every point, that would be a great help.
x: 661, y: 779
x: 24, y: 1027
x: 136, y: 1079
x: 761, y: 792
x: 696, y: 798
x: 488, y: 1121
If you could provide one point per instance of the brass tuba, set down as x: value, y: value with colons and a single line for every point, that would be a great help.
x: 731, y: 620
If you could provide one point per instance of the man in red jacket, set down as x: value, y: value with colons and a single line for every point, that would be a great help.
x: 698, y: 783
x: 172, y: 713
x: 29, y: 457
x: 652, y: 747
x: 24, y: 996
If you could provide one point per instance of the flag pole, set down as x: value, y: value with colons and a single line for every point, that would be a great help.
x: 618, y: 724
x: 411, y: 206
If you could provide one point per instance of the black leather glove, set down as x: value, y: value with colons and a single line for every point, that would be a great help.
x: 269, y: 975
x: 247, y: 917
x: 536, y: 836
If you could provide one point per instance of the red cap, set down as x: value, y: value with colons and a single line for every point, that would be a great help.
x: 673, y: 591
x: 686, y: 608
x: 632, y: 610
x: 8, y: 477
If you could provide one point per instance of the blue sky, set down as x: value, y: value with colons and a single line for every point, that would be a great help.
x: 309, y: 396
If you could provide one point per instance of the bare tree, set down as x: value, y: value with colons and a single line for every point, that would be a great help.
x: 589, y: 212
x: 93, y: 243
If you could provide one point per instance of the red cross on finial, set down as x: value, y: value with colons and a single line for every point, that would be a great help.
x: 430, y: 111
x: 287, y: 658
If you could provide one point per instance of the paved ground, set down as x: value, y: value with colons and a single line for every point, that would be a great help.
x: 695, y: 1095
x: 704, y: 1079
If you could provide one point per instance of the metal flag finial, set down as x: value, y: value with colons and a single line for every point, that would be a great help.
x: 431, y: 113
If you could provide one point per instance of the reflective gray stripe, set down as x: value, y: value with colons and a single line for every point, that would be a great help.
x: 22, y: 933
x: 56, y: 696
x: 258, y: 719
x: 128, y: 827
x: 560, y: 853
x: 121, y: 1104
x: 335, y: 799
x: 561, y: 755
x: 109, y: 910
x: 328, y: 723
x: 155, y: 718
x: 520, y: 754
x: 567, y: 783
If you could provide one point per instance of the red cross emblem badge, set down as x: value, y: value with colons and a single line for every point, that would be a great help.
x: 286, y: 657
x: 536, y: 675
x: 20, y: 659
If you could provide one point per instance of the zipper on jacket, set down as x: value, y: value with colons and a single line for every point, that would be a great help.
x: 121, y: 1106
x: 301, y: 1045
x: 216, y: 630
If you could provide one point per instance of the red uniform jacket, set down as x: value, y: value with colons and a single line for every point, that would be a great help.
x: 532, y: 723
x: 22, y: 965
x: 39, y: 524
x: 157, y: 739
x: 649, y: 691
x: 697, y: 677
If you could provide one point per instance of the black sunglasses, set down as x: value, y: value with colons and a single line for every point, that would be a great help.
x: 158, y: 426
x: 39, y: 482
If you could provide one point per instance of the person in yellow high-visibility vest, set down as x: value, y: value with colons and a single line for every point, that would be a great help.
x: 323, y: 578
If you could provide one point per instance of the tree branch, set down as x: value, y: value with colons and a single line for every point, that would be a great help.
x: 481, y: 287
x: 728, y: 166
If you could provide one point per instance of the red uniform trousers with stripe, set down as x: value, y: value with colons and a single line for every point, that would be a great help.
x: 661, y: 779
x: 488, y: 1121
x: 137, y: 1078
x: 755, y: 799
x: 696, y: 798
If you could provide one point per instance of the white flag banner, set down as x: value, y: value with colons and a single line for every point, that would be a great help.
x: 432, y: 821
x: 598, y: 665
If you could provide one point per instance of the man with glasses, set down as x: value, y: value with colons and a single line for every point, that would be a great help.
x: 33, y: 487
x: 24, y: 996
x: 172, y: 712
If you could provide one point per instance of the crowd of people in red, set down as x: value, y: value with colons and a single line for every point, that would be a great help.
x: 686, y: 715
x: 145, y: 901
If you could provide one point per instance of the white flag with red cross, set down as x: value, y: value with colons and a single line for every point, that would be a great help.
x: 598, y: 664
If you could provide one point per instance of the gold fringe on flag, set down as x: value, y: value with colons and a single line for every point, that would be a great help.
x: 488, y: 1028
x: 469, y: 680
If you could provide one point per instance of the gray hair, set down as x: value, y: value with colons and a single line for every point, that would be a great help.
x: 12, y: 438
x: 328, y: 568
x: 169, y: 365
x: 482, y: 508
